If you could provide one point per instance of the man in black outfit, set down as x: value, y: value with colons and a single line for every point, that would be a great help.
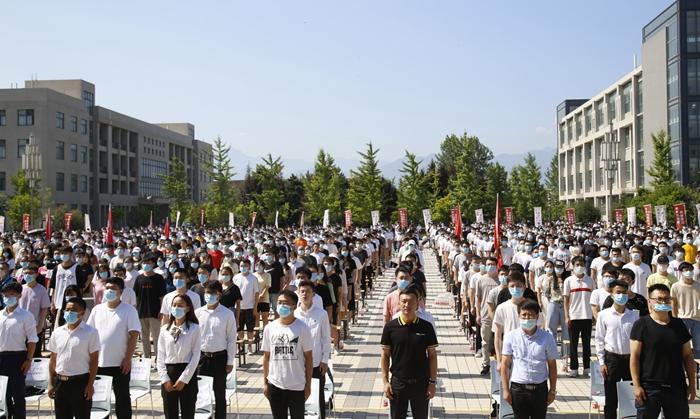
x: 660, y: 351
x: 405, y: 342
x: 635, y: 301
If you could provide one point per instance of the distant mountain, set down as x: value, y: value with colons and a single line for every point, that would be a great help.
x: 543, y: 157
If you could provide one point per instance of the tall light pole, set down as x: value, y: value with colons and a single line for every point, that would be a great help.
x: 611, y: 161
x: 31, y: 164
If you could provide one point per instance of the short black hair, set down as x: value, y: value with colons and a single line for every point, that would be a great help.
x: 619, y: 283
x: 628, y: 272
x: 662, y: 259
x: 529, y: 305
x: 213, y: 286
x: 402, y: 268
x: 684, y: 266
x: 79, y: 302
x: 659, y: 287
x: 116, y: 281
x: 13, y: 286
x: 150, y: 257
x: 290, y: 295
x: 516, y: 277
x: 577, y: 259
x: 303, y: 270
x: 306, y: 283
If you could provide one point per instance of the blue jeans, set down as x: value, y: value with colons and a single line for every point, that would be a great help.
x: 694, y: 329
x: 555, y: 318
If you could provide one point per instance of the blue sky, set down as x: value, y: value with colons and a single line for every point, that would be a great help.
x: 288, y: 77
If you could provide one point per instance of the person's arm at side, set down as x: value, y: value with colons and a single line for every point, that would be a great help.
x: 52, y: 375
x: 130, y: 348
x: 594, y: 274
x: 552, y: 366
x: 326, y: 345
x: 309, y: 369
x: 471, y: 298
x: 506, y: 361
x: 635, y: 359
x: 674, y: 303
x: 498, y: 342
x: 433, y: 365
x: 566, y: 311
x: 600, y: 330
x: 477, y: 301
x: 90, y: 387
x: 689, y: 370
x: 266, y: 370
x: 384, y: 363
x: 196, y: 350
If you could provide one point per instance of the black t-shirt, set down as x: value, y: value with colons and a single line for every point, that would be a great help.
x: 149, y: 292
x: 230, y: 296
x: 504, y: 295
x: 419, y: 279
x: 638, y: 302
x: 276, y: 273
x: 81, y: 274
x: 409, y: 343
x: 337, y: 284
x: 661, y: 360
x: 322, y: 290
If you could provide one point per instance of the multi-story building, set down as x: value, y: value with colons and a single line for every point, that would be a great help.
x: 90, y: 156
x: 630, y: 111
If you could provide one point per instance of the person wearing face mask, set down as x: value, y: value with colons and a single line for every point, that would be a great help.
x: 616, y: 259
x: 231, y: 294
x: 506, y: 316
x: 62, y: 276
x: 35, y: 299
x: 689, y: 248
x: 532, y: 353
x: 18, y: 339
x: 635, y: 301
x: 98, y: 282
x: 120, y: 253
x: 599, y: 295
x: 205, y: 273
x: 662, y: 274
x: 391, y: 301
x: 305, y: 274
x: 536, y: 267
x: 598, y: 263
x: 118, y: 327
x: 263, y: 302
x: 72, y: 372
x: 612, y: 339
x: 686, y: 304
x: 130, y: 272
x: 663, y: 250
x: 274, y: 268
x: 150, y: 290
x: 219, y: 334
x: 641, y: 270
x: 660, y: 360
x: 179, y: 351
x: 84, y: 271
x: 287, y: 347
x: 248, y: 284
x: 552, y: 286
x: 484, y: 285
x: 678, y: 258
x: 180, y: 284
x: 579, y: 316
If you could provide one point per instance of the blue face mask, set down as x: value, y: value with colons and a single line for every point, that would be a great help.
x: 403, y: 284
x: 620, y: 299
x: 29, y: 278
x: 160, y: 263
x: 71, y: 317
x: 110, y: 295
x: 528, y: 324
x: 662, y: 307
x: 65, y: 258
x: 224, y: 278
x: 24, y: 264
x: 315, y: 277
x: 202, y: 278
x: 10, y: 301
x: 244, y: 269
x: 179, y: 283
x: 147, y: 267
x: 194, y: 265
x: 104, y: 274
x: 284, y: 310
x: 211, y: 299
x: 516, y: 292
x: 177, y: 312
x: 502, y: 279
x: 490, y: 268
x: 172, y: 269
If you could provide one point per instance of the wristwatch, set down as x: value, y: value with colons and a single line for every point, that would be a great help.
x: 431, y: 381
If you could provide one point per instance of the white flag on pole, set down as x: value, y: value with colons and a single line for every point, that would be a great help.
x: 427, y: 217
x: 660, y: 215
x: 326, y: 218
x: 231, y: 220
x: 88, y: 227
x: 697, y: 208
x: 375, y: 218
x: 177, y: 219
x: 538, y: 216
x: 277, y: 215
x: 632, y: 216
x: 479, y: 215
x: 2, y: 224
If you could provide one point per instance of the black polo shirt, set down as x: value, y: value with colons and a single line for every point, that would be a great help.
x: 409, y: 344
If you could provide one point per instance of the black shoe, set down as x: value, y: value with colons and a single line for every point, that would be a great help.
x: 486, y: 370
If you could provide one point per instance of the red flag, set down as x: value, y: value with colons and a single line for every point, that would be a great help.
x: 509, y: 215
x: 648, y: 215
x: 25, y: 222
x: 619, y: 215
x: 348, y: 219
x: 679, y: 212
x: 403, y: 217
x: 67, y: 219
x: 497, y: 232
x: 49, y: 229
x: 458, y: 223
x: 166, y: 229
x: 110, y: 228
x: 571, y: 215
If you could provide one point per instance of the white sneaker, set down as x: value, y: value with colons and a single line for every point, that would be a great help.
x: 573, y: 373
x: 478, y: 355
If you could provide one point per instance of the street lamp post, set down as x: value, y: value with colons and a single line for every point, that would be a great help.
x: 611, y: 160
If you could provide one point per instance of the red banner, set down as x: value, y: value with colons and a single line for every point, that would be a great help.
x: 253, y: 216
x: 48, y: 226
x: 497, y: 233
x: 68, y: 220
x: 509, y: 215
x: 679, y: 212
x: 110, y: 227
x: 457, y: 221
x: 403, y: 217
x: 619, y: 215
x: 348, y: 219
x: 649, y: 214
x: 25, y: 222
x: 166, y: 228
x: 571, y: 215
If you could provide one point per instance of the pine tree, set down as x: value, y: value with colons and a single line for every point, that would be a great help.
x: 413, y: 192
x: 526, y: 188
x: 221, y: 197
x: 175, y: 188
x: 365, y: 193
x: 270, y: 199
x: 554, y: 206
x: 496, y: 184
x: 323, y: 190
x: 661, y: 170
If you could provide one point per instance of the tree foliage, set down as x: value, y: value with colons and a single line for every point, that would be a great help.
x: 175, y: 188
x: 221, y: 197
x: 554, y: 207
x: 27, y: 199
x: 323, y: 190
x: 365, y: 192
x: 661, y: 170
x: 526, y: 189
x: 270, y: 198
x: 413, y: 193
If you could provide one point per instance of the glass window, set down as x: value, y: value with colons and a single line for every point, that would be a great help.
x: 694, y: 77
x: 25, y: 117
x: 579, y: 131
x: 74, y: 152
x: 60, y: 150
x: 3, y: 118
x: 640, y: 97
x: 672, y: 39
x: 73, y: 182
x: 60, y: 181
x: 640, y: 133
x: 3, y: 149
x: 83, y: 183
x: 674, y: 130
x: 60, y: 120
x: 694, y: 119
x: 672, y: 80
x: 628, y: 171
x: 74, y: 123
x: 569, y: 130
x: 693, y: 30
x: 599, y: 114
x: 22, y: 147
x: 694, y: 162
x: 83, y: 126
x: 626, y: 98
x: 88, y: 100
x: 676, y: 160
x: 588, y: 120
x: 2, y: 181
x: 612, y: 99
x: 83, y: 154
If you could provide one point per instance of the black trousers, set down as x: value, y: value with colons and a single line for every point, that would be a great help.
x: 11, y: 367
x: 618, y: 369
x: 120, y: 386
x: 321, y: 396
x: 215, y: 367
x: 580, y: 328
x: 412, y: 391
x: 529, y: 403
x: 283, y: 402
x: 672, y: 399
x: 70, y: 401
x: 183, y: 402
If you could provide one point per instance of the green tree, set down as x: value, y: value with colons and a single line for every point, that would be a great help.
x: 496, y: 183
x: 323, y: 190
x: 586, y: 211
x: 466, y: 170
x: 27, y: 199
x: 365, y: 192
x: 176, y: 189
x: 413, y: 193
x: 221, y: 197
x: 270, y: 199
x: 554, y: 207
x: 294, y: 196
x: 526, y: 188
x: 389, y: 209
x: 661, y: 170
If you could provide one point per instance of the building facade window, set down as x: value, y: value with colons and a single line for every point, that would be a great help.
x: 154, y: 169
x: 626, y: 99
x: 73, y: 182
x: 672, y: 80
x: 74, y: 152
x: 74, y: 123
x: 694, y: 119
x: 628, y: 171
x: 579, y: 129
x: 598, y: 114
x: 60, y: 181
x: 640, y: 96
x: 672, y: 38
x: 3, y: 118
x: 83, y: 126
x: 3, y: 149
x: 588, y: 120
x: 60, y: 150
x: 88, y: 101
x: 83, y: 183
x: 3, y: 177
x: 60, y: 120
x: 83, y: 154
x: 22, y: 147
x: 674, y: 129
x: 694, y: 162
x: 612, y: 103
x: 25, y: 117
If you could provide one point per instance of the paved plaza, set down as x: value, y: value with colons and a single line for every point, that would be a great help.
x: 462, y: 392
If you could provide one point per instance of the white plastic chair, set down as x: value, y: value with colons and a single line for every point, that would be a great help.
x: 232, y: 389
x: 38, y: 376
x: 625, y: 400
x: 597, y: 388
x: 101, y: 397
x: 140, y: 382
x: 3, y: 391
x: 204, y: 409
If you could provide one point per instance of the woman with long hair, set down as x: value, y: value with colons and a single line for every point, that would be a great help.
x: 179, y: 349
x: 552, y: 286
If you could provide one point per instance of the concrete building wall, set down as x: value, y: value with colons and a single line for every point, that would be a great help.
x: 655, y: 90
